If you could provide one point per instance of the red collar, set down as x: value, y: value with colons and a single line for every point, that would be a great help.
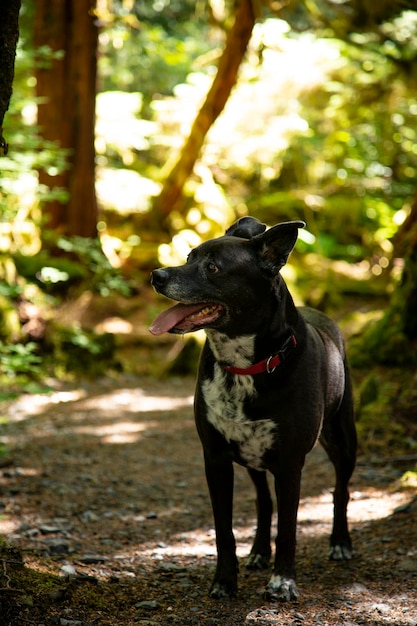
x: 269, y: 364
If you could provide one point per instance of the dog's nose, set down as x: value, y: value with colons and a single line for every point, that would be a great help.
x: 159, y: 277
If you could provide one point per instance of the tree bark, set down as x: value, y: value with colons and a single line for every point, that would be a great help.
x: 66, y: 87
x: 226, y: 76
x: 405, y: 297
x: 9, y: 34
x: 392, y: 340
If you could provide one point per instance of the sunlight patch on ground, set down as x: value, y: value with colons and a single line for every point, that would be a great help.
x: 363, y: 506
x: 119, y: 432
x: 9, y: 525
x: 314, y: 519
x: 28, y: 405
x: 135, y: 400
x: 196, y: 543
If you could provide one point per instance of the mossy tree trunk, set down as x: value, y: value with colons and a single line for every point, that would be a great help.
x: 9, y: 34
x: 393, y: 339
x: 406, y: 294
x: 66, y: 87
x: 236, y: 44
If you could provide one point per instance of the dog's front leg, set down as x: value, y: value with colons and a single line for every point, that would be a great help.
x: 219, y: 476
x: 282, y: 584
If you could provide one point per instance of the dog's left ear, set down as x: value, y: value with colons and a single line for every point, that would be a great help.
x: 275, y: 245
x: 246, y: 228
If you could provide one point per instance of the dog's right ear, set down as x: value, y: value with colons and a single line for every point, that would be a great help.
x: 275, y: 245
x: 246, y: 228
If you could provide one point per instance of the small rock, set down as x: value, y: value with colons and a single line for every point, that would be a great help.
x: 90, y: 516
x: 149, y: 605
x: 90, y: 559
x: 57, y: 547
x: 408, y: 565
x: 151, y: 515
x: 57, y: 595
x: 128, y: 574
x: 172, y: 568
x: 68, y: 571
x: 47, y: 529
x: 356, y: 588
x: 381, y: 608
x: 82, y: 577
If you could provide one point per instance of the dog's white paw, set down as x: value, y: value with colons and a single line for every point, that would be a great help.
x: 340, y: 553
x: 281, y: 588
x: 220, y: 590
x: 257, y: 561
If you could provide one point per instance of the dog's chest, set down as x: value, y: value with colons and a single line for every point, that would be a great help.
x: 226, y: 408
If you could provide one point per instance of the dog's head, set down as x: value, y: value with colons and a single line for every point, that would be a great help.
x: 226, y: 282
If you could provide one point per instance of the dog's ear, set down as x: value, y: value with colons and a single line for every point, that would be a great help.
x: 275, y: 245
x: 246, y: 228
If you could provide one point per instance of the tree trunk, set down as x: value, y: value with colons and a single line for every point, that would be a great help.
x: 9, y: 34
x: 226, y: 76
x: 66, y: 87
x: 393, y: 339
x: 405, y: 296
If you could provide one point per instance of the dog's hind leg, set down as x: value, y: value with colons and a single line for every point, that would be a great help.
x: 260, y: 553
x: 339, y: 440
x: 220, y: 482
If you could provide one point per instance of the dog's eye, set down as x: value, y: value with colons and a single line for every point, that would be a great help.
x: 212, y: 267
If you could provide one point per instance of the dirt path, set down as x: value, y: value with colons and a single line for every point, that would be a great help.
x: 107, y: 492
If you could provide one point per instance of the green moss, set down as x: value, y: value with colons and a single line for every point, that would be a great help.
x: 380, y: 424
x: 383, y: 342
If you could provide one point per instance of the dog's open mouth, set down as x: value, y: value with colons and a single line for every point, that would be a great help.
x: 184, y: 318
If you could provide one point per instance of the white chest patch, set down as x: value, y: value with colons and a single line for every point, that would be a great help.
x: 225, y: 407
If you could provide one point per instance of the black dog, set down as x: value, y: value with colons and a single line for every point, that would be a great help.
x: 273, y: 379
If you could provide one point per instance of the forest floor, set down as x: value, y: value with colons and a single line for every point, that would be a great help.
x: 105, y: 498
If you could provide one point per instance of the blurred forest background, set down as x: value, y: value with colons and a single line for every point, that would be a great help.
x: 138, y: 129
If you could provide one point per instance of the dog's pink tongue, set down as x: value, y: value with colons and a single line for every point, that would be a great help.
x: 171, y: 317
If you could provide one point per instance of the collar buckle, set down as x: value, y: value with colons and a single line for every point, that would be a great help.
x: 268, y: 363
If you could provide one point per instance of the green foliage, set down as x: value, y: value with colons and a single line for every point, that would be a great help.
x: 50, y: 272
x: 354, y: 169
x: 409, y: 479
x: 102, y: 276
x: 330, y: 138
x: 84, y: 263
x: 154, y: 53
x: 9, y: 291
x: 16, y: 359
x: 76, y: 350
